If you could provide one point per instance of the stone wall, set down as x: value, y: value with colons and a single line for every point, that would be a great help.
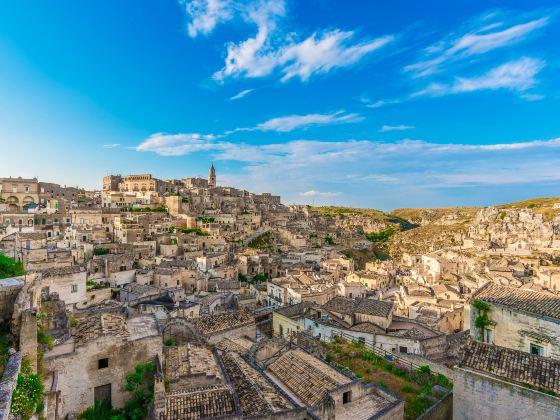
x: 28, y: 338
x: 8, y: 383
x: 9, y: 289
x: 478, y: 396
x: 442, y: 410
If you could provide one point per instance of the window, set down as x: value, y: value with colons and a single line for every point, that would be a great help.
x: 403, y: 349
x: 536, y: 349
x: 103, y: 363
x: 74, y: 288
x: 487, y: 336
x: 346, y: 397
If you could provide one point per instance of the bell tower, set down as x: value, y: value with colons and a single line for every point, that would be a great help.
x: 212, y: 176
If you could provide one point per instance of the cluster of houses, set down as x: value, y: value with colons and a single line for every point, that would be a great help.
x: 218, y: 287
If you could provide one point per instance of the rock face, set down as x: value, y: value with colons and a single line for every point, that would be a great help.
x: 516, y: 229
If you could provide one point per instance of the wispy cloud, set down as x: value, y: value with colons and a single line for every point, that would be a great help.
x: 241, y: 94
x: 425, y: 168
x: 478, y: 39
x: 518, y: 75
x: 386, y: 128
x: 274, y: 49
x: 205, y: 15
x: 179, y: 144
x: 315, y: 193
x: 111, y: 146
x: 292, y: 122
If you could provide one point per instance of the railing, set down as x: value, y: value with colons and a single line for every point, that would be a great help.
x: 377, y: 350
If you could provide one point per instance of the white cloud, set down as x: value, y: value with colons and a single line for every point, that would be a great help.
x: 272, y: 48
x: 179, y: 144
x: 321, y: 53
x: 207, y: 14
x: 424, y: 171
x: 315, y: 193
x: 475, y: 41
x: 518, y: 75
x: 241, y: 94
x: 292, y: 122
x: 386, y: 128
x: 111, y: 146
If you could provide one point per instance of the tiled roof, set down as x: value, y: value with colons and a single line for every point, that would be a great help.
x: 538, y: 303
x: 305, y: 376
x: 348, y: 306
x: 189, y: 360
x: 61, y: 271
x: 512, y: 365
x: 256, y: 395
x: 374, y: 307
x: 212, y: 324
x: 197, y: 403
x: 99, y: 325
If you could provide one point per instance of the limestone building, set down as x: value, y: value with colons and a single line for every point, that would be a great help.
x: 19, y: 192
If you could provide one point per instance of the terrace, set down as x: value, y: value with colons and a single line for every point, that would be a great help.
x: 417, y: 385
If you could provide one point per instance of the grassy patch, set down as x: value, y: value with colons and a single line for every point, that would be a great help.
x: 414, y: 386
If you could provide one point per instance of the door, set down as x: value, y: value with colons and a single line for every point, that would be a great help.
x: 102, y: 393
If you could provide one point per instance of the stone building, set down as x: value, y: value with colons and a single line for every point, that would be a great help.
x: 520, y: 319
x: 19, y: 192
x: 93, y: 363
x: 69, y: 283
x: 493, y: 382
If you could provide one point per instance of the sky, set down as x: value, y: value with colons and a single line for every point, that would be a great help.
x: 324, y: 102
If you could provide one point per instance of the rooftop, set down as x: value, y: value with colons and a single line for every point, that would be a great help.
x: 256, y: 394
x: 61, y: 271
x: 305, y: 376
x: 212, y: 324
x: 196, y: 403
x: 189, y: 360
x: 538, y: 303
x: 348, y: 306
x: 512, y: 365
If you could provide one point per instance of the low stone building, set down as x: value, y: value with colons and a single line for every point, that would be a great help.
x: 93, y: 363
x: 493, y: 382
x: 520, y: 319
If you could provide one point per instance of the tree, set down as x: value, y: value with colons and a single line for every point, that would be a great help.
x: 10, y: 267
x: 259, y: 278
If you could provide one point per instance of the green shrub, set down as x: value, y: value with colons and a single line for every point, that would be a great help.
x: 409, y: 389
x: 100, y: 410
x: 10, y: 267
x: 45, y: 339
x: 424, y: 369
x: 28, y: 393
x: 328, y: 358
x: 168, y: 342
x: 443, y: 381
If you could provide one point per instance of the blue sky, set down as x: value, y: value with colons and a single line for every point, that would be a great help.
x: 371, y: 104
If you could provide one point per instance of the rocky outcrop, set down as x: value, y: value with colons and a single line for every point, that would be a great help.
x: 515, y: 229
